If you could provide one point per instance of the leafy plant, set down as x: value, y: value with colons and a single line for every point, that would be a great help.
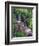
x: 26, y: 15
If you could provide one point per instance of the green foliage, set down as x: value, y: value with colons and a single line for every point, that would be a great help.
x: 20, y: 34
x: 26, y: 13
x: 29, y: 23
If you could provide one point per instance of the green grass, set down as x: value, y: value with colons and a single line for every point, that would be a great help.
x: 20, y: 34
